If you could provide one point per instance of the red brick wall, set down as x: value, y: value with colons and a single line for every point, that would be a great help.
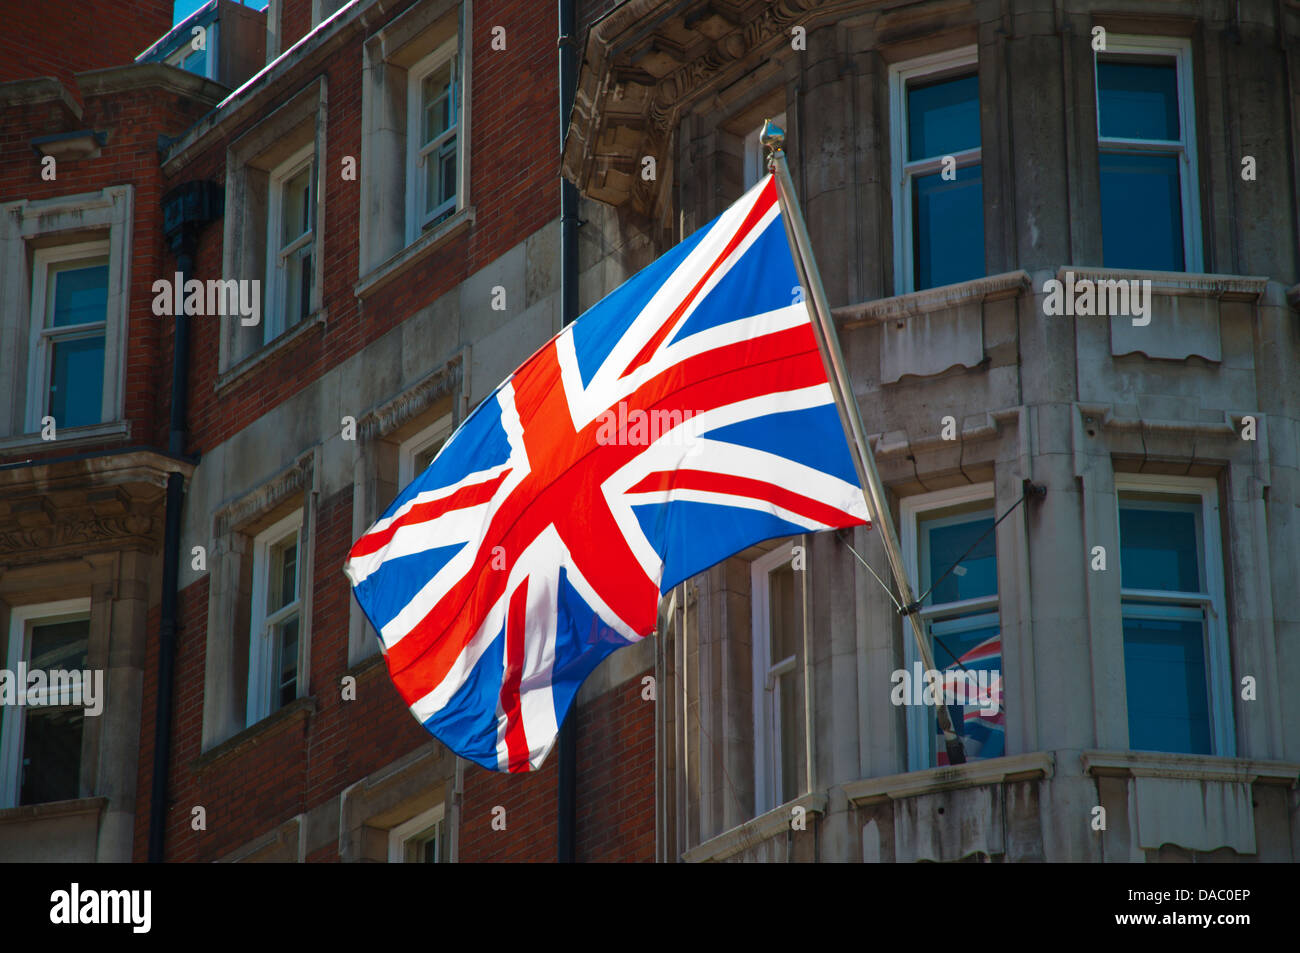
x: 615, y: 791
x: 514, y: 188
x: 295, y: 22
x: 133, y: 121
x: 60, y: 37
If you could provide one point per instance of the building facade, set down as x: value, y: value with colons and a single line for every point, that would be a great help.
x: 1098, y: 502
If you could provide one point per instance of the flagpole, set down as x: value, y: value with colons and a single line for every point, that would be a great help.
x: 833, y: 359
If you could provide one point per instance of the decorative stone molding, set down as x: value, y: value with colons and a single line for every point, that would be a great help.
x: 265, y: 498
x: 751, y: 833
x: 1020, y: 767
x: 900, y: 308
x: 387, y: 417
x: 1150, y: 764
x: 648, y: 60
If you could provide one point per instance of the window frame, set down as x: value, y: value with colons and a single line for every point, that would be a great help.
x: 417, y: 220
x: 260, y: 702
x: 406, y: 832
x: 183, y: 52
x: 903, y: 170
x: 921, y: 750
x: 1180, y: 50
x: 275, y: 320
x: 14, y: 723
x: 1215, y: 637
x: 39, y: 351
x: 768, y: 722
x: 417, y: 443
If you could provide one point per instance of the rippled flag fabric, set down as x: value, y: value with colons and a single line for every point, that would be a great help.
x: 682, y: 419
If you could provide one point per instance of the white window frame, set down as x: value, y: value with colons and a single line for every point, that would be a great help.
x: 185, y: 50
x: 261, y: 653
x: 768, y: 723
x: 403, y: 833
x: 21, y: 621
x: 275, y: 321
x: 920, y: 738
x: 903, y: 170
x: 1218, y: 661
x: 754, y: 166
x: 416, y: 219
x: 38, y: 372
x: 413, y: 446
x: 1180, y: 49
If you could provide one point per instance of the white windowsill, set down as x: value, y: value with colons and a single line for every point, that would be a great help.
x: 80, y: 436
x: 268, y: 350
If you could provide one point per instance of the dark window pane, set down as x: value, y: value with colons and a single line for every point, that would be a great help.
x: 80, y: 295
x: 1138, y: 100
x: 978, y: 573
x: 1141, y: 211
x: 77, y: 381
x: 943, y: 118
x: 51, y: 769
x: 59, y: 645
x: 1158, y: 549
x: 287, y: 669
x: 948, y: 228
x: 1164, y: 672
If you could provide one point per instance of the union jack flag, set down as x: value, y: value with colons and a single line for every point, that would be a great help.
x: 983, y: 732
x: 682, y: 419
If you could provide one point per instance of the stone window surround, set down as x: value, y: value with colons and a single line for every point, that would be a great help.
x: 234, y: 527
x: 900, y: 75
x: 250, y: 160
x: 767, y: 781
x: 12, y: 717
x: 27, y: 225
x: 911, y: 508
x: 386, y: 244
x: 376, y: 466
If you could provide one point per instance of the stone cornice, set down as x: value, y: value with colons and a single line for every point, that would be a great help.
x: 171, y: 79
x: 384, y: 419
x: 644, y: 63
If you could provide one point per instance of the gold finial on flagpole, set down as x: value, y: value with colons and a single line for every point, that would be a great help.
x: 773, y: 137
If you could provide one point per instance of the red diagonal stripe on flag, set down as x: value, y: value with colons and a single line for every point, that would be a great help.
x: 740, y: 486
x: 423, y: 512
x: 765, y: 200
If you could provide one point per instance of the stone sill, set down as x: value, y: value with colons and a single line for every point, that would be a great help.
x: 414, y: 253
x: 1173, y: 283
x: 296, y: 711
x: 1019, y: 767
x: 900, y: 307
x: 732, y: 842
x: 53, y: 809
x: 1150, y: 764
x: 229, y: 377
x: 87, y: 436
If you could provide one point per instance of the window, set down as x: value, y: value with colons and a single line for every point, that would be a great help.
x: 1175, y: 645
x: 291, y: 241
x: 777, y: 591
x: 755, y: 153
x: 69, y: 326
x: 1150, y: 213
x: 199, y: 62
x: 959, y: 615
x: 420, y: 840
x: 433, y: 123
x: 938, y: 178
x: 415, y: 130
x: 275, y: 649
x: 275, y: 214
x: 416, y: 453
x: 41, y: 745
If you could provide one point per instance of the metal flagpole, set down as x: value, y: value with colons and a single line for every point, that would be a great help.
x: 828, y: 341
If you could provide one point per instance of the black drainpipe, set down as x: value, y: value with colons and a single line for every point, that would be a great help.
x: 186, y: 209
x: 567, y: 808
